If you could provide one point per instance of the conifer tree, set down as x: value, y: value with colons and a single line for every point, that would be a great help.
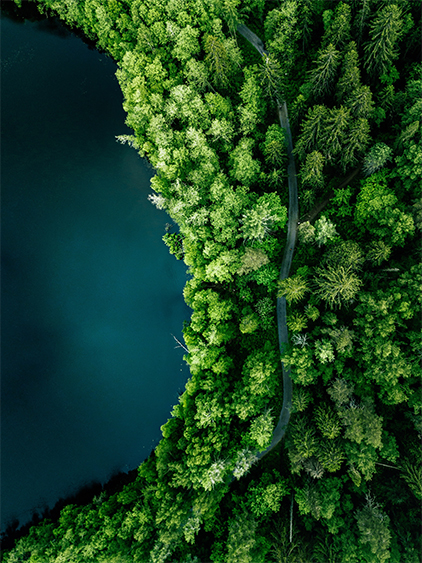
x: 322, y: 77
x: 385, y: 33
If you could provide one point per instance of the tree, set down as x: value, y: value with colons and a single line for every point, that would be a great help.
x: 244, y: 168
x: 311, y: 170
x: 222, y: 56
x: 377, y: 211
x: 312, y: 129
x: 378, y: 252
x: 338, y: 32
x: 197, y: 74
x: 231, y: 14
x: 253, y: 259
x: 356, y: 142
x: 265, y: 496
x: 375, y: 535
x: 325, y: 230
x: 261, y: 430
x: 267, y: 212
x: 245, y: 459
x: 350, y: 73
x: 324, y: 351
x: 322, y: 76
x: 346, y: 253
x: 274, y: 147
x: 335, y: 131
x: 297, y: 322
x: 337, y: 285
x: 327, y: 421
x: 270, y: 73
x: 306, y: 232
x: 331, y: 455
x: 241, y: 541
x: 293, y: 288
x: 282, y: 33
x: 360, y: 102
x: 377, y: 158
x: 252, y: 111
x: 363, y: 424
x: 384, y: 34
x: 186, y: 43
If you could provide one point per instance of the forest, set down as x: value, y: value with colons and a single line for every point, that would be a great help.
x: 297, y: 437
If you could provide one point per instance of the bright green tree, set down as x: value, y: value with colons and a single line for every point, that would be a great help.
x: 337, y: 285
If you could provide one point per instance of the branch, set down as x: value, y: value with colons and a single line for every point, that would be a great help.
x: 180, y: 344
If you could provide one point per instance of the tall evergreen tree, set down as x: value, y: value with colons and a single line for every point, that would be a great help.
x: 385, y: 33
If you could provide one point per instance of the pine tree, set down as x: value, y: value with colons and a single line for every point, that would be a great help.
x: 338, y: 32
x: 360, y: 102
x: 356, y: 141
x: 218, y: 60
x: 312, y: 130
x: 311, y: 170
x: 378, y: 252
x: 385, y: 33
x: 350, y: 73
x: 375, y: 535
x: 335, y: 131
x: 322, y: 77
x: 271, y: 77
x: 376, y: 158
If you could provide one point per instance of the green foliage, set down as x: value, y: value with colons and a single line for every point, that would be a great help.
x: 265, y: 497
x: 301, y: 399
x: 271, y: 77
x: 311, y: 171
x: 293, y: 288
x: 327, y: 421
x: 322, y: 76
x: 362, y: 423
x: 412, y: 474
x: 346, y: 254
x: 241, y: 542
x: 340, y: 391
x: 306, y: 233
x: 249, y: 323
x: 253, y: 259
x: 261, y: 430
x: 337, y: 285
x: 338, y: 28
x: 375, y: 535
x: 378, y: 252
x: 245, y: 168
x: 222, y: 57
x: 266, y: 213
x: 175, y: 243
x: 274, y: 148
x: 325, y: 230
x: 350, y: 74
x: 324, y: 351
x: 171, y: 58
x: 297, y: 322
x: 385, y: 33
x: 377, y: 157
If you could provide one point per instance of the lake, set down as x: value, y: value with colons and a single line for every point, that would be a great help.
x: 90, y: 295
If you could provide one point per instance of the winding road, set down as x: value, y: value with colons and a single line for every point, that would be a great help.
x: 293, y: 214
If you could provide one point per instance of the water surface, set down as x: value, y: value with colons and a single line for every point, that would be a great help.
x: 90, y: 295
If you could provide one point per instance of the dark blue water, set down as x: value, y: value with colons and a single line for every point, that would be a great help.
x: 90, y: 295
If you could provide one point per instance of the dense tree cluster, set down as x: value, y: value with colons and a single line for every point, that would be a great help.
x: 345, y: 483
